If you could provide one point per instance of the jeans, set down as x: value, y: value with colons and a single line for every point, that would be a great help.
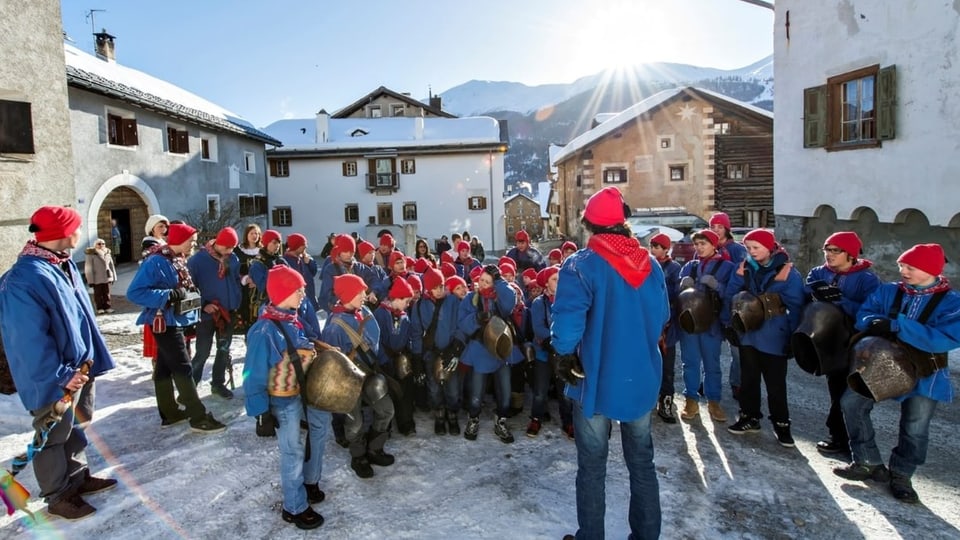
x: 294, y: 473
x: 540, y: 385
x: 592, y: 442
x: 698, y: 350
x: 445, y: 395
x: 206, y: 330
x: 501, y: 390
x: 911, y: 451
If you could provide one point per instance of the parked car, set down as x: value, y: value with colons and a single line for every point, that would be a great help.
x: 739, y: 232
x: 682, y: 250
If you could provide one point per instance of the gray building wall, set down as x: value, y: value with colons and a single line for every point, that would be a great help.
x: 33, y: 70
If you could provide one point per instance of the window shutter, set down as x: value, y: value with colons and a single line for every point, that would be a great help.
x: 763, y: 218
x: 887, y: 103
x: 182, y: 145
x: 815, y: 117
x: 275, y: 216
x: 273, y: 168
x: 746, y: 170
x: 171, y: 140
x: 130, y: 132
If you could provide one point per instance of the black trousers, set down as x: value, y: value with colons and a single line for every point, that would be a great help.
x: 773, y: 369
x: 669, y: 371
x: 837, y: 385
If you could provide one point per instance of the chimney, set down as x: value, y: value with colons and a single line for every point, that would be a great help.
x: 435, y: 102
x: 104, y: 46
x: 323, y: 126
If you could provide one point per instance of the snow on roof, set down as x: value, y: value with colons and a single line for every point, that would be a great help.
x: 544, y: 191
x: 395, y: 132
x: 603, y: 117
x: 637, y: 110
x: 86, y: 70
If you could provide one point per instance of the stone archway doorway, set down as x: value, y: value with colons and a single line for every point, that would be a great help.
x: 130, y: 211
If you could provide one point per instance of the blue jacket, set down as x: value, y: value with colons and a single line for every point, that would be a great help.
x: 528, y: 258
x: 421, y: 315
x: 326, y: 299
x: 541, y: 317
x: 336, y: 336
x: 309, y: 272
x: 151, y: 286
x: 671, y: 275
x: 308, y: 318
x: 734, y: 252
x: 778, y: 276
x: 940, y: 334
x: 855, y: 285
x: 226, y: 291
x: 260, y: 266
x: 49, y: 329
x: 615, y: 327
x: 719, y: 268
x: 476, y: 354
x: 394, y: 333
x: 266, y: 346
x: 463, y: 268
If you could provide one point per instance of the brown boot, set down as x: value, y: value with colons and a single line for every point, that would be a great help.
x: 71, y: 507
x: 716, y: 411
x: 691, y: 408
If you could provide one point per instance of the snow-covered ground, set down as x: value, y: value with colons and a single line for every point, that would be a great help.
x: 174, y: 483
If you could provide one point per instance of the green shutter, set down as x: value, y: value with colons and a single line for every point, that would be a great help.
x: 815, y: 117
x: 887, y: 103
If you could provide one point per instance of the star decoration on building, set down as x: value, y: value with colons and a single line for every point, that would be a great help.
x: 686, y: 112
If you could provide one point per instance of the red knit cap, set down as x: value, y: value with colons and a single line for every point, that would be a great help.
x: 453, y: 282
x: 530, y: 273
x: 506, y: 260
x: 568, y: 246
x: 343, y: 243
x: 522, y: 236
x: 270, y: 235
x: 421, y: 265
x: 296, y: 241
x: 394, y: 257
x: 845, y: 240
x: 348, y: 286
x: 179, y: 233
x: 282, y: 281
x: 463, y: 246
x: 475, y: 273
x: 710, y: 236
x: 414, y: 281
x: 555, y: 255
x: 432, y: 278
x: 387, y: 240
x: 927, y: 257
x: 410, y: 261
x: 720, y: 218
x: 399, y: 290
x: 605, y: 208
x: 507, y: 270
x: 446, y: 257
x: 763, y: 237
x: 227, y: 237
x: 661, y: 240
x: 365, y: 248
x: 544, y: 275
x: 50, y: 223
x: 448, y: 269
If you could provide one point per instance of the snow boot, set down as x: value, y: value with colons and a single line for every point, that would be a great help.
x: 718, y: 415
x: 665, y: 409
x: 453, y: 426
x: 314, y: 493
x: 473, y: 427
x: 72, y: 508
x: 439, y: 422
x: 902, y: 488
x: 375, y: 453
x: 306, y: 520
x: 691, y: 408
x: 782, y: 431
x: 501, y: 430
x: 361, y: 466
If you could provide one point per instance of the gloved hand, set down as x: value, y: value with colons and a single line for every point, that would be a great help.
x: 454, y: 349
x: 731, y: 335
x: 177, y: 295
x: 493, y: 270
x: 569, y: 368
x: 879, y: 327
x: 686, y: 283
x: 450, y: 364
x: 483, y: 317
x: 825, y: 292
x: 266, y: 425
x: 710, y: 282
x: 547, y: 345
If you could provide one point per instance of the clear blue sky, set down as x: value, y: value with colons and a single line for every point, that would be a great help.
x: 273, y: 59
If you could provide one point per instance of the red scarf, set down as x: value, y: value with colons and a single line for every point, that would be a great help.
x: 179, y: 263
x: 624, y: 254
x: 942, y: 285
x: 858, y: 265
x: 221, y: 259
x: 274, y: 313
x: 32, y: 249
x: 357, y: 313
x: 488, y: 293
x: 397, y: 313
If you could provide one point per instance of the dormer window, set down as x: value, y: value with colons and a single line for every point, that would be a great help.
x: 359, y: 132
x: 374, y: 111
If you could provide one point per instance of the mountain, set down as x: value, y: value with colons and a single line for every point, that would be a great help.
x: 556, y: 113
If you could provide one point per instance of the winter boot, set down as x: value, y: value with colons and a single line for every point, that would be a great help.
x: 306, y: 520
x: 72, y: 508
x: 665, y: 409
x: 862, y: 472
x: 782, y: 431
x: 533, y: 428
x: 473, y: 427
x: 439, y: 422
x: 501, y: 430
x: 92, y: 484
x: 717, y: 413
x: 453, y: 426
x: 361, y: 466
x: 375, y: 453
x: 691, y: 408
x: 902, y: 488
x: 314, y: 493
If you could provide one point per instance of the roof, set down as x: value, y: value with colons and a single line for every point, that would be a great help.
x: 346, y: 134
x: 643, y: 107
x: 544, y: 191
x: 138, y: 88
x: 384, y: 91
x: 518, y: 195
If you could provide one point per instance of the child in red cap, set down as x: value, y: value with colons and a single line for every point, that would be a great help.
x: 298, y: 257
x: 660, y: 249
x: 394, y: 323
x: 541, y: 316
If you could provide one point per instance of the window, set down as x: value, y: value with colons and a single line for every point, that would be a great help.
x: 208, y: 147
x: 252, y: 205
x: 279, y: 167
x: 213, y: 206
x: 249, y: 162
x: 121, y: 129
x: 178, y: 141
x: 351, y: 213
x: 16, y: 127
x: 614, y: 176
x: 755, y: 218
x: 853, y: 110
x: 678, y: 173
x: 738, y: 171
x: 409, y: 211
x: 349, y: 168
x: 282, y: 216
x: 396, y: 109
x: 665, y: 143
x: 477, y: 202
x: 722, y: 128
x: 408, y: 166
x: 385, y: 213
x: 579, y: 180
x: 383, y: 175
x: 373, y: 111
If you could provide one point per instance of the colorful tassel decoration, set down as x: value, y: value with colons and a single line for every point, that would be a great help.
x: 14, y: 495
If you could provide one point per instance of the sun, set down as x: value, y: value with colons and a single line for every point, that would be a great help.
x: 621, y: 34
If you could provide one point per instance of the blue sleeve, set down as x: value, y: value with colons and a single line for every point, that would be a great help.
x: 258, y: 273
x: 151, y: 286
x: 573, y: 300
x: 467, y: 316
x: 861, y: 285
x: 335, y: 336
x: 538, y: 318
x: 262, y: 354
x: 326, y: 298
x: 506, y: 298
x: 941, y: 332
x: 794, y: 298
x: 308, y: 317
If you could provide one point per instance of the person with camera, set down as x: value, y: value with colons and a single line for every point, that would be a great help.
x: 164, y: 287
x: 610, y: 310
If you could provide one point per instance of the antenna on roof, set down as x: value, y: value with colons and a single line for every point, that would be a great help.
x: 91, y: 16
x: 430, y: 90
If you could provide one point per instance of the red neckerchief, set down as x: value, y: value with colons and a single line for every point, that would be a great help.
x: 397, y: 313
x: 942, y: 285
x: 357, y: 313
x: 624, y: 254
x: 722, y: 249
x: 488, y: 293
x: 221, y: 259
x: 179, y: 264
x: 549, y: 297
x: 32, y: 249
x: 221, y: 316
x: 858, y: 265
x: 274, y: 313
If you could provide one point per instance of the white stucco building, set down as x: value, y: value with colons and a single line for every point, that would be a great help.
x: 868, y: 124
x: 412, y: 175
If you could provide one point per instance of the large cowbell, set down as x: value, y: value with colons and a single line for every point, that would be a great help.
x: 820, y: 342
x: 881, y: 369
x: 498, y: 338
x: 697, y: 311
x: 747, y: 313
x: 334, y: 382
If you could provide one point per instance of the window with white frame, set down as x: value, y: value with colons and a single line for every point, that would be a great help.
x: 121, y: 128
x: 213, y: 206
x: 615, y: 175
x: 373, y: 111
x: 408, y: 166
x: 721, y: 128
x: 477, y: 202
x: 409, y: 211
x: 678, y: 173
x: 282, y: 216
x: 249, y: 162
x: 396, y: 109
x: 738, y: 171
x: 279, y: 167
x: 349, y: 168
x: 351, y: 213
x: 208, y: 147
